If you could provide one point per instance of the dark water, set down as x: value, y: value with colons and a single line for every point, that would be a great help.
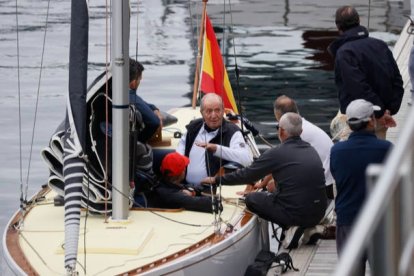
x: 279, y: 46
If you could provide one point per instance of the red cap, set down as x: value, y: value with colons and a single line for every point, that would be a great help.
x: 174, y: 163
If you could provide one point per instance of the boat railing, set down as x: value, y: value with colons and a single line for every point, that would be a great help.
x: 385, y: 226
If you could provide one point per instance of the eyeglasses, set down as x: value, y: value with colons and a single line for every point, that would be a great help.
x: 277, y: 126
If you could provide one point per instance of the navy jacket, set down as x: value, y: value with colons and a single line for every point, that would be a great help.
x: 365, y: 69
x: 151, y: 121
x: 349, y: 160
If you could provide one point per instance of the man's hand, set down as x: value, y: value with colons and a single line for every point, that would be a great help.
x: 208, y: 180
x: 387, y: 120
x: 249, y: 189
x: 188, y: 193
x: 208, y: 146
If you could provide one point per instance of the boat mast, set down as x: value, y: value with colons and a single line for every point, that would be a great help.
x: 120, y: 109
x: 199, y: 54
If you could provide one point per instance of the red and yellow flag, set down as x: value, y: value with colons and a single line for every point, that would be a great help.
x: 214, y: 78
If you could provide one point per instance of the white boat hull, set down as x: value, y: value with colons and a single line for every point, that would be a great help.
x: 136, y: 247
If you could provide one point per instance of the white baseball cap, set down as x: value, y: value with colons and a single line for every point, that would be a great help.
x: 360, y: 111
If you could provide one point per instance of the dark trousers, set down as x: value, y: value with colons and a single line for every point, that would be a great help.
x: 267, y: 206
x: 342, y: 234
x: 263, y: 204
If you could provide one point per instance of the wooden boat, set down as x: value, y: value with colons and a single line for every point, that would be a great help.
x: 82, y: 238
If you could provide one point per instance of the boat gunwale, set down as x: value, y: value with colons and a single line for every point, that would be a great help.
x: 13, y: 253
x: 246, y: 221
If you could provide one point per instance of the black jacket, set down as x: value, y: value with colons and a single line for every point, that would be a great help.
x: 169, y: 195
x: 297, y: 169
x: 365, y: 69
x: 223, y: 138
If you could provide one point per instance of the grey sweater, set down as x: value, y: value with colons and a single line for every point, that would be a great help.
x: 298, y: 172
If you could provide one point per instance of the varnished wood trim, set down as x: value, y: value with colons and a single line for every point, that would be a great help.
x: 12, y: 238
x: 210, y: 240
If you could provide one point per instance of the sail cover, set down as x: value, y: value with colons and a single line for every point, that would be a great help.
x: 75, y: 129
x: 214, y: 78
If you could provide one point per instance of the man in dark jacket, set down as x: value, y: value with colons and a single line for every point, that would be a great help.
x: 300, y: 196
x: 151, y: 116
x: 171, y: 193
x: 365, y: 69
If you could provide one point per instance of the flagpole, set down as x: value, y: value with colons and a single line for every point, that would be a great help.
x: 199, y: 53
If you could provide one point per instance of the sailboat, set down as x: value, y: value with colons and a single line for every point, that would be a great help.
x: 97, y: 232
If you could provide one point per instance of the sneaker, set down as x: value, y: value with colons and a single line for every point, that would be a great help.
x: 313, y: 234
x: 292, y: 237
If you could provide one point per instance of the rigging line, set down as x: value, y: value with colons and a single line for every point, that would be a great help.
x: 106, y: 107
x: 214, y: 204
x: 221, y: 164
x: 236, y: 71
x: 136, y: 44
x: 38, y: 254
x: 265, y: 141
x: 154, y: 213
x: 224, y: 30
x: 85, y: 157
x: 208, y: 174
x: 133, y: 200
x: 156, y: 254
x: 34, y: 249
x: 200, y: 48
x: 20, y: 110
x: 369, y: 13
x: 37, y: 100
x: 217, y: 213
x: 193, y: 40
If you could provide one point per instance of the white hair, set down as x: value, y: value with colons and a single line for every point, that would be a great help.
x: 210, y: 97
x: 291, y: 123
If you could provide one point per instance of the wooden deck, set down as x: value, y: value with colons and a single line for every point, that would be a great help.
x: 321, y: 259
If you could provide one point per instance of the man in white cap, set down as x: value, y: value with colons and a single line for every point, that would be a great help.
x: 349, y: 160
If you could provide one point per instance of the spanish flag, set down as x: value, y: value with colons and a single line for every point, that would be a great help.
x: 214, y: 78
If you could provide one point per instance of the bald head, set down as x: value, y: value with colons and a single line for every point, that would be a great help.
x: 284, y: 104
x: 346, y: 17
x: 210, y: 98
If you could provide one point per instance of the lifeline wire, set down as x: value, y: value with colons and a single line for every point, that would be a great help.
x: 22, y: 204
x: 37, y: 101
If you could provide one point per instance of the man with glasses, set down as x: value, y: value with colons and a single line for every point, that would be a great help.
x: 311, y: 134
x: 322, y: 143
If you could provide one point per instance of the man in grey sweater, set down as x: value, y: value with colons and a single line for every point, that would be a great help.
x: 300, y: 197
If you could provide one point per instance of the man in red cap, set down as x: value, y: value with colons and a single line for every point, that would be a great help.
x: 171, y: 193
